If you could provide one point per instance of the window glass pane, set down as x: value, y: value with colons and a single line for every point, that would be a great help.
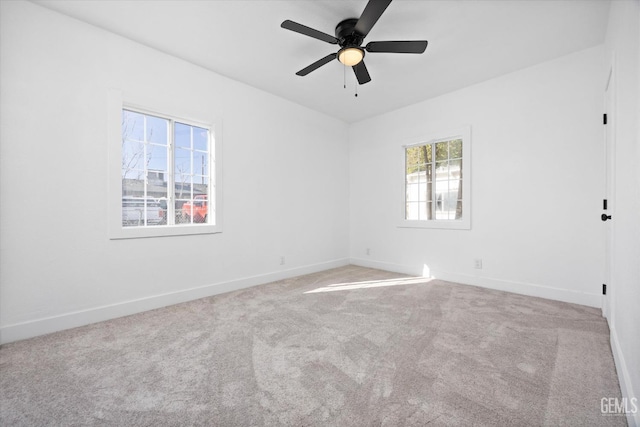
x: 411, y: 160
x: 156, y: 185
x: 132, y: 159
x: 455, y: 169
x: 422, y: 191
x: 132, y: 125
x: 412, y: 176
x: 412, y: 192
x: 442, y: 170
x: 183, y: 184
x: 417, y: 156
x: 451, y: 171
x: 442, y: 150
x: 422, y: 211
x: 194, y: 211
x: 426, y: 153
x: 422, y: 175
x: 455, y: 187
x: 455, y: 149
x: 200, y: 139
x: 182, y: 135
x: 201, y: 163
x: 157, y: 161
x: 200, y: 185
x: 182, y: 197
x: 155, y: 213
x: 412, y: 211
x: 442, y: 186
x: 422, y: 158
x: 450, y: 200
x: 132, y: 187
x: 446, y: 200
x: 157, y: 130
x: 132, y: 211
x: 182, y: 160
x: 459, y: 189
x: 429, y: 210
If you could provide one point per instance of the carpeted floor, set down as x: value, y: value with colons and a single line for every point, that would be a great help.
x: 346, y: 347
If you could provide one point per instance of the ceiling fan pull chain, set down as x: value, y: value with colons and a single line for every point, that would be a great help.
x: 356, y: 85
x: 344, y: 76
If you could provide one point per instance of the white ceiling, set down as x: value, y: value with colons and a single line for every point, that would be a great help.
x: 469, y: 42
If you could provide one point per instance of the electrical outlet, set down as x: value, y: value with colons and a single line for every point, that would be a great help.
x: 477, y: 263
x: 368, y: 251
x: 282, y: 260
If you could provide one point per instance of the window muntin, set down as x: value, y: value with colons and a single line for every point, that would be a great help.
x: 165, y: 171
x: 436, y: 182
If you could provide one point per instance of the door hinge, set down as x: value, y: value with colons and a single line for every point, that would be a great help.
x: 604, y: 289
x: 604, y: 119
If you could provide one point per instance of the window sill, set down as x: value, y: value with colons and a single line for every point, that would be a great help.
x: 163, y: 231
x: 437, y: 224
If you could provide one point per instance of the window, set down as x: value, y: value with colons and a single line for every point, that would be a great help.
x: 168, y: 179
x: 436, y: 182
x: 165, y: 171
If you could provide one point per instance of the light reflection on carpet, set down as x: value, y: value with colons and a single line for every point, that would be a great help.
x: 371, y: 284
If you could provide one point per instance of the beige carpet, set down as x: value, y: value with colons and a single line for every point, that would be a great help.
x: 345, y: 347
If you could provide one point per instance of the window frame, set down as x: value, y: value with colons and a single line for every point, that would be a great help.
x: 463, y: 133
x: 116, y: 229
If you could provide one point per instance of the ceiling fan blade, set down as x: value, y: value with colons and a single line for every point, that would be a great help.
x: 361, y: 73
x: 407, y: 46
x: 370, y: 15
x: 319, y: 63
x: 307, y: 31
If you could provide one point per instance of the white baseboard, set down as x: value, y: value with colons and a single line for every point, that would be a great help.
x: 540, y: 291
x: 20, y: 331
x: 633, y: 420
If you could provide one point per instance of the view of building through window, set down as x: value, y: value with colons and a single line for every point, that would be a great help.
x: 433, y: 184
x: 165, y: 171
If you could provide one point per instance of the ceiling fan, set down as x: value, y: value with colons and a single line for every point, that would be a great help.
x: 350, y: 34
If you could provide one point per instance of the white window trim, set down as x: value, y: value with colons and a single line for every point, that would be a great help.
x: 115, y: 105
x: 464, y: 223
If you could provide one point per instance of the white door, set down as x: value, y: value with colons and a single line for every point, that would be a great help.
x: 608, y: 203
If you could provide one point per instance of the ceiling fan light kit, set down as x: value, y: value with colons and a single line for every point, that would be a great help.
x: 350, y: 33
x: 350, y: 56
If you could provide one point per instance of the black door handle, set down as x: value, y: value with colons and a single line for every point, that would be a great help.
x: 605, y: 217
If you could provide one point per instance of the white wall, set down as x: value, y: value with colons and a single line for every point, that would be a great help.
x: 285, y: 169
x: 537, y: 180
x: 536, y: 166
x: 623, y: 52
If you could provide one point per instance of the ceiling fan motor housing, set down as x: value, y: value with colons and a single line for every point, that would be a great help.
x: 347, y: 35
